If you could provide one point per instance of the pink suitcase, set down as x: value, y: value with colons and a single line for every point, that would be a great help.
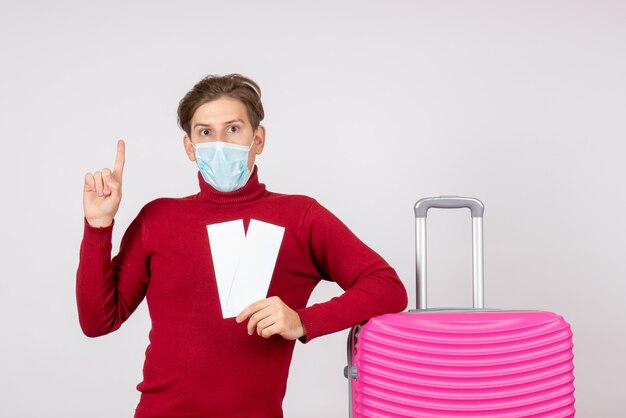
x: 439, y: 363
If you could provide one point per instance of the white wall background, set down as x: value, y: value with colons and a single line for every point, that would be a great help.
x: 370, y: 106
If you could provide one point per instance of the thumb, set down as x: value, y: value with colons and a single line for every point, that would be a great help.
x: 113, y: 183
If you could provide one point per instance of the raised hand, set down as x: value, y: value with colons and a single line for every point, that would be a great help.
x: 103, y: 191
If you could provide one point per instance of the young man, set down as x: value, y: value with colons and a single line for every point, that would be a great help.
x: 188, y: 255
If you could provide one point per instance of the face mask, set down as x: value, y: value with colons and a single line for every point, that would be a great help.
x: 224, y: 166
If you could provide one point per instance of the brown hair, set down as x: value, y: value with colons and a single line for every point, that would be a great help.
x: 213, y: 87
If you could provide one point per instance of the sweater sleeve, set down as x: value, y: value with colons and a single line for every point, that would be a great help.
x: 371, y: 287
x: 109, y: 290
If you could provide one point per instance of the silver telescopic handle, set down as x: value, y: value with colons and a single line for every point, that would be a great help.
x: 449, y: 202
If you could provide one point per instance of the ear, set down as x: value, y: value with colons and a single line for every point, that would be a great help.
x: 191, y: 153
x: 259, y: 144
x: 259, y: 139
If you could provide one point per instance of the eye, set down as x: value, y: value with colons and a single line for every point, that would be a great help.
x: 232, y: 129
x: 205, y: 132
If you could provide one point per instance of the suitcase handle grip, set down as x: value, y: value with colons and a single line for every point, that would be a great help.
x: 449, y: 202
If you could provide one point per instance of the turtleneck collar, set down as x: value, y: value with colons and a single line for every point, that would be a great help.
x: 250, y: 191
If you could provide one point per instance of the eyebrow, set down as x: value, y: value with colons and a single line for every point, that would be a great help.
x: 225, y: 123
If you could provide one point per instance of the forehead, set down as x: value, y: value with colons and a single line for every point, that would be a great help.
x: 219, y: 111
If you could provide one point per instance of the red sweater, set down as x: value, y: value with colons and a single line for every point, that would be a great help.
x: 199, y: 364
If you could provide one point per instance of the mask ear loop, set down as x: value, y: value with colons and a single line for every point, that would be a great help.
x: 252, y: 144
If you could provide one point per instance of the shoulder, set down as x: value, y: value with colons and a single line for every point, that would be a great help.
x: 291, y: 200
x: 165, y: 205
x: 297, y: 209
x: 310, y: 211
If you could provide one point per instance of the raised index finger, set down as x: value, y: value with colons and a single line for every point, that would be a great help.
x: 118, y: 168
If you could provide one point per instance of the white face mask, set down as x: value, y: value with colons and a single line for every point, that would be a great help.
x: 224, y: 166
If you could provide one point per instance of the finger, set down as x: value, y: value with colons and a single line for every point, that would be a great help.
x: 114, y: 184
x: 264, y: 324
x: 98, y: 178
x: 269, y: 331
x: 118, y: 168
x: 106, y: 178
x: 256, y: 306
x: 90, y: 183
x: 256, y: 318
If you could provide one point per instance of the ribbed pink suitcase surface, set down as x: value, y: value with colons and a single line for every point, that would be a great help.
x: 439, y: 363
